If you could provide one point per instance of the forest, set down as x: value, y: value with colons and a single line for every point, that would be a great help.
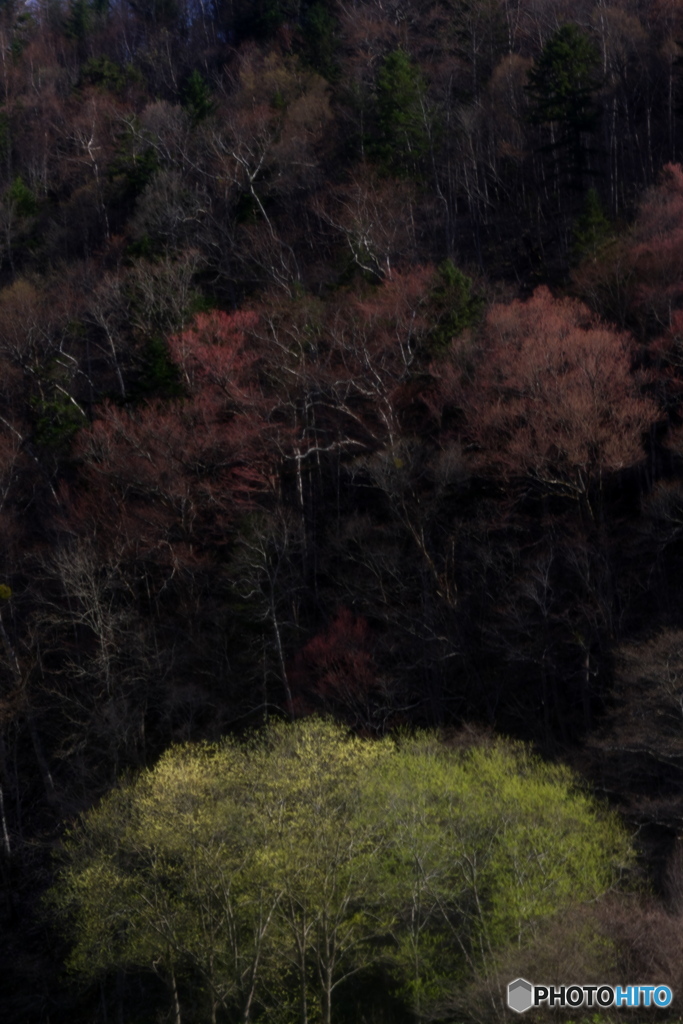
x: 341, y: 506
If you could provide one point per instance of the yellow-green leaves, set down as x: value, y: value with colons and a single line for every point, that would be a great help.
x: 264, y: 875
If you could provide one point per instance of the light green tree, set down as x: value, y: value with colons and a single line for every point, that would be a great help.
x: 262, y: 876
x: 322, y: 855
x: 243, y: 866
x: 482, y: 847
x: 168, y: 873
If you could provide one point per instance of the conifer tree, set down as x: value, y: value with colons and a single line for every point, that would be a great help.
x: 403, y: 139
x: 562, y: 87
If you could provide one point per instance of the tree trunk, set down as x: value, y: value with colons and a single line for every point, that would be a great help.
x: 177, y: 1019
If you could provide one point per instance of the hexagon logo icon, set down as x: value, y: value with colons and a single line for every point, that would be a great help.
x: 520, y: 997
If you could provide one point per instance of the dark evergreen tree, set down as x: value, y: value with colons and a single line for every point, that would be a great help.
x: 562, y: 88
x: 454, y: 306
x: 592, y: 228
x: 197, y: 98
x: 402, y: 117
x: 319, y: 41
x: 78, y: 20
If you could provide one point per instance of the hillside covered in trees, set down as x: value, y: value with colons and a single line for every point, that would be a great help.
x: 341, y: 379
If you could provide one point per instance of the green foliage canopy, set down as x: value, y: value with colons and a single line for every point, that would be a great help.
x: 266, y: 874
